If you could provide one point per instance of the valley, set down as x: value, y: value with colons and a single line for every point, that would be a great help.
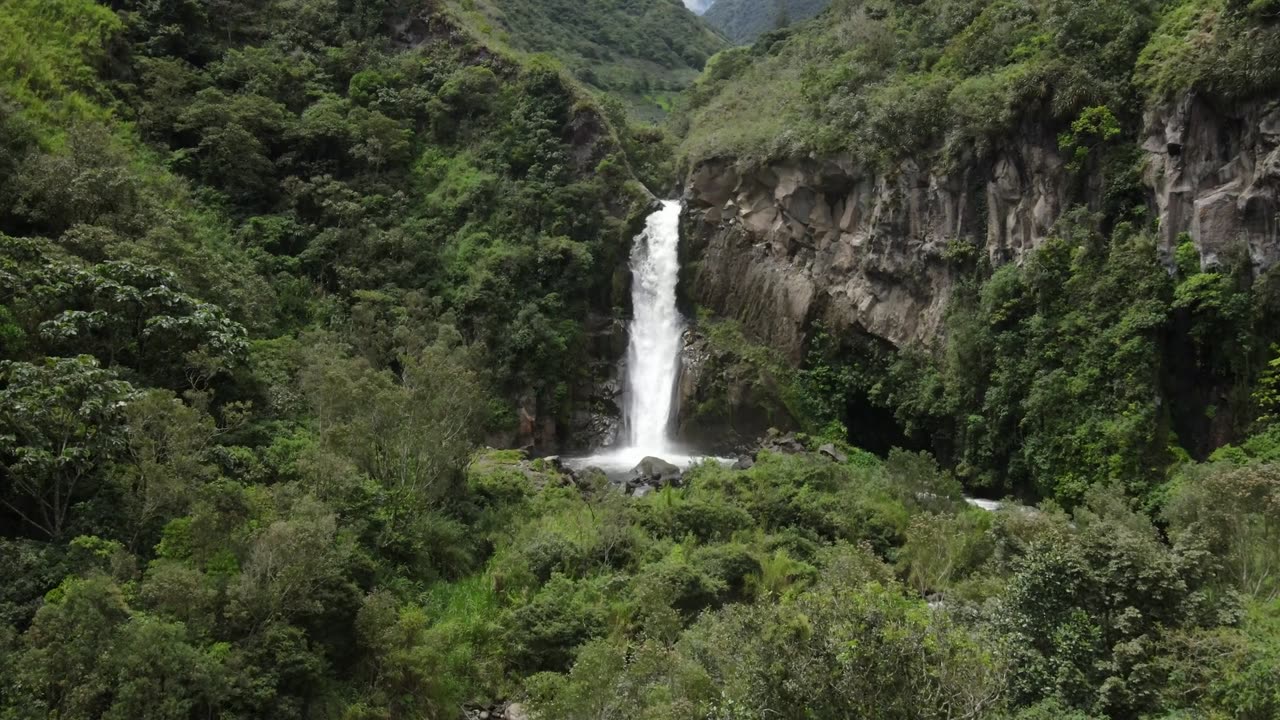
x: 639, y: 359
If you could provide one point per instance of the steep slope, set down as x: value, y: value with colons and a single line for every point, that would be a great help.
x: 269, y: 272
x: 417, y: 168
x: 871, y: 177
x: 742, y: 21
x: 645, y: 51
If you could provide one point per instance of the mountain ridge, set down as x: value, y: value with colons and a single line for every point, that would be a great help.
x: 742, y: 21
x: 644, y: 51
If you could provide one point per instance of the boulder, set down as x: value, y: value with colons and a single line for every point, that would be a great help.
x: 656, y: 472
x: 830, y: 451
x: 787, y: 444
x: 744, y: 463
x: 725, y: 399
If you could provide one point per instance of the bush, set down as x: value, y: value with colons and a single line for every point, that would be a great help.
x: 544, y: 633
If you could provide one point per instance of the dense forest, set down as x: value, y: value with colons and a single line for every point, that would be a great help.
x: 742, y: 21
x: 296, y: 297
x: 643, y: 53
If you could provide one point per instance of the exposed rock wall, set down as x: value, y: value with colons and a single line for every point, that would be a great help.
x: 797, y: 242
x: 725, y: 402
x: 1215, y: 173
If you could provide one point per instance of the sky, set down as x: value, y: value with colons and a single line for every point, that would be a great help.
x: 698, y: 6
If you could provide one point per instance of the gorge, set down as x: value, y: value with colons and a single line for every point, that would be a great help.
x: 351, y: 367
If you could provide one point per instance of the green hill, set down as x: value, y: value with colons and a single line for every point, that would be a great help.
x: 283, y: 283
x: 742, y: 21
x: 645, y: 51
x: 885, y: 79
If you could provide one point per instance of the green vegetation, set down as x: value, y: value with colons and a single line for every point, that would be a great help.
x: 1069, y: 370
x: 638, y: 50
x: 1081, y: 364
x: 272, y: 272
x: 742, y: 21
x: 267, y: 274
x: 885, y: 78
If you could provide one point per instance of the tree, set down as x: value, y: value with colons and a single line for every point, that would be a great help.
x: 61, y: 422
x: 1087, y: 609
x: 1237, y: 511
x: 122, y: 312
x: 163, y: 462
x: 88, y: 655
x: 412, y: 433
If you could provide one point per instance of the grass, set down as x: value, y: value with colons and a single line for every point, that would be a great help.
x: 49, y: 54
x: 638, y: 51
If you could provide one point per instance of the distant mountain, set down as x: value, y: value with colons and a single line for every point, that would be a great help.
x: 645, y: 51
x: 742, y: 21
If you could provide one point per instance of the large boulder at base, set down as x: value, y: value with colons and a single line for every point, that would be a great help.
x: 833, y: 453
x: 782, y: 444
x: 656, y: 472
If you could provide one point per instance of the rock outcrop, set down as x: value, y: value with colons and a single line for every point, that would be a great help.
x: 725, y: 401
x: 652, y: 474
x: 827, y: 240
x: 595, y: 417
x: 1215, y: 174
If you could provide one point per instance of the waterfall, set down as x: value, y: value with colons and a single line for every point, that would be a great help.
x: 653, y: 352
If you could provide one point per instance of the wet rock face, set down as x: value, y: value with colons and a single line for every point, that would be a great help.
x: 724, y: 403
x: 595, y: 420
x: 1215, y: 174
x: 786, y: 246
x: 827, y: 240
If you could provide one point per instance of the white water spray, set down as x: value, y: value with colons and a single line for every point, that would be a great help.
x: 653, y: 355
x: 653, y: 350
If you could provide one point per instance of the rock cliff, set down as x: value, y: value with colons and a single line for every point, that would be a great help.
x: 827, y: 240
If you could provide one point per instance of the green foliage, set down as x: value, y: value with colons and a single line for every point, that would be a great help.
x: 269, y: 272
x: 1050, y: 368
x: 847, y: 648
x: 62, y: 421
x: 1088, y: 612
x: 1094, y: 127
x: 52, y: 52
x: 874, y: 80
x: 1225, y: 48
x: 1236, y: 510
x: 942, y: 549
x: 742, y: 21
x: 621, y: 47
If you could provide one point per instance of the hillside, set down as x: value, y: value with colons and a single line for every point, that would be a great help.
x: 644, y: 51
x: 240, y: 247
x: 742, y: 21
x: 900, y: 175
x: 349, y: 371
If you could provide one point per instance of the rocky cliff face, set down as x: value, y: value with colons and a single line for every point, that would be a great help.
x: 1215, y: 173
x: 726, y: 402
x: 826, y: 240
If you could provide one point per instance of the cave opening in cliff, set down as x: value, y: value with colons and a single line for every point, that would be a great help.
x: 849, y: 363
x: 875, y: 428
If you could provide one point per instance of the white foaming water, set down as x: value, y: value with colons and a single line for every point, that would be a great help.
x: 653, y: 351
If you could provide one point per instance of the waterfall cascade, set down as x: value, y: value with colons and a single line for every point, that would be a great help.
x: 653, y: 351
